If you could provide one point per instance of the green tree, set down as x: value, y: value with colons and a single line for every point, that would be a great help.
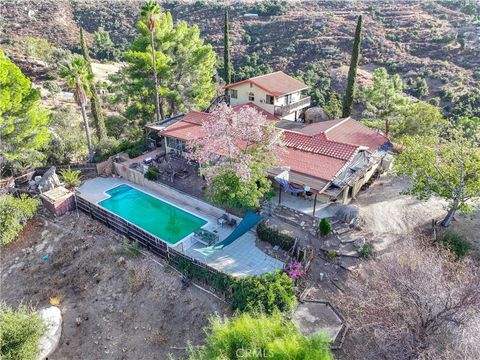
x: 253, y: 66
x: 446, y: 167
x: 420, y: 89
x: 23, y: 122
x: 352, y: 72
x: 259, y: 336
x: 333, y: 107
x: 228, y: 189
x: 150, y: 12
x: 95, y: 104
x: 78, y: 78
x: 384, y: 98
x: 227, y: 61
x: 319, y: 81
x: 104, y: 48
x: 467, y: 105
x: 418, y: 118
x: 68, y: 141
x: 185, y: 69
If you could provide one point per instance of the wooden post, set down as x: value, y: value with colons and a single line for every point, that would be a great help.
x: 280, y: 195
x: 315, y: 203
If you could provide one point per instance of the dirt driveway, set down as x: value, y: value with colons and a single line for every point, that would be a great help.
x: 115, y: 304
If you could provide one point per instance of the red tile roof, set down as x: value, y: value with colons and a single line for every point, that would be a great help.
x: 351, y: 131
x: 319, y: 144
x: 190, y: 126
x: 319, y: 150
x: 277, y: 83
x: 311, y: 164
x: 347, y: 131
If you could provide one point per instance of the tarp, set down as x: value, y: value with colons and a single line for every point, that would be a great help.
x: 283, y: 178
x: 249, y: 221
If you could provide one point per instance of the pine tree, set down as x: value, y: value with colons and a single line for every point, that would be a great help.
x: 227, y: 62
x: 352, y: 73
x: 95, y: 103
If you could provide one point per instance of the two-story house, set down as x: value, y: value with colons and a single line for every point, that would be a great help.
x: 276, y: 93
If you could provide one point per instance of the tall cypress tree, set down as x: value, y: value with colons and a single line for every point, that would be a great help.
x: 227, y: 62
x: 352, y: 72
x: 95, y: 103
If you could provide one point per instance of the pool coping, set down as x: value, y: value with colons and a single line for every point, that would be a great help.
x: 175, y: 245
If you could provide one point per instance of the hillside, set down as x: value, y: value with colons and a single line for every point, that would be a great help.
x: 408, y: 37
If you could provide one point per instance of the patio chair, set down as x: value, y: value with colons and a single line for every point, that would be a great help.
x: 232, y: 222
x: 223, y: 219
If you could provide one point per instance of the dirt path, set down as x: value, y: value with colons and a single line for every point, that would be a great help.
x: 388, y: 215
x: 115, y: 305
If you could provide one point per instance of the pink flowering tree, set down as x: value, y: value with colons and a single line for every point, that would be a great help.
x: 236, y: 149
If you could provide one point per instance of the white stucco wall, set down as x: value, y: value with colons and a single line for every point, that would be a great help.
x: 260, y: 98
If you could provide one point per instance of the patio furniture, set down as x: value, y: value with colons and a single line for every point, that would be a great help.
x: 248, y: 222
x: 147, y: 160
x: 232, y: 222
x: 222, y: 219
x: 205, y: 237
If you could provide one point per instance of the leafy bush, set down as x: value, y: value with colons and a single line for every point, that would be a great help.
x: 14, y: 213
x: 270, y: 7
x: 219, y: 281
x: 258, y: 336
x: 324, y: 227
x: 20, y: 331
x: 266, y: 293
x: 105, y: 148
x: 456, y: 243
x: 366, y: 251
x: 332, y: 254
x: 70, y: 177
x: 152, y: 173
x: 274, y: 237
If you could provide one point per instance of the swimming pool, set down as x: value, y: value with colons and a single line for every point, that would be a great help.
x: 159, y: 218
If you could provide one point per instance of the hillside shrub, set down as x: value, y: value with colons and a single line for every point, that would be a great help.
x: 14, y: 213
x: 366, y: 251
x: 274, y: 237
x: 270, y: 7
x: 152, y: 173
x: 20, y: 331
x: 265, y: 293
x: 324, y: 227
x: 259, y: 336
x: 456, y: 243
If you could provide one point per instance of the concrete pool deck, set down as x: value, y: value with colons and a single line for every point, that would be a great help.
x: 239, y: 259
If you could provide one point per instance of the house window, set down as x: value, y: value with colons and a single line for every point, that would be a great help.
x: 288, y: 99
x: 177, y: 145
x: 269, y: 99
x: 234, y: 94
x: 251, y: 97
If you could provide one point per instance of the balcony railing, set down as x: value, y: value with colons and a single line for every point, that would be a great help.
x: 288, y: 109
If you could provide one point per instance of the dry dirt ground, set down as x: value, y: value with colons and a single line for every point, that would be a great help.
x: 115, y: 304
x: 389, y: 215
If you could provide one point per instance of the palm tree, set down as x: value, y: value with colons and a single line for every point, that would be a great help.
x: 77, y: 78
x: 150, y: 12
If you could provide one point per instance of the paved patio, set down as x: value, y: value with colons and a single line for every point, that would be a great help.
x: 301, y: 204
x: 241, y: 258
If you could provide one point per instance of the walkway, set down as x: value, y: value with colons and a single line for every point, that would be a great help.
x: 239, y: 259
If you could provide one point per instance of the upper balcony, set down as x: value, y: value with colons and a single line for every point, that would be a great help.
x: 284, y: 110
